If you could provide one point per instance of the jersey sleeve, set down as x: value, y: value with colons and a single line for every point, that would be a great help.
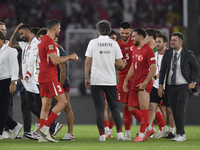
x: 150, y: 56
x: 118, y: 53
x: 88, y: 52
x: 50, y: 46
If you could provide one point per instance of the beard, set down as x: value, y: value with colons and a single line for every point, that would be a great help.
x: 125, y: 39
x: 24, y: 39
x: 136, y: 43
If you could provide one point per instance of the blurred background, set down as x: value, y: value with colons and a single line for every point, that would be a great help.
x: 79, y: 17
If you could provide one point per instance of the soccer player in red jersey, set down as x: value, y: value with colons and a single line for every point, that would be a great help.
x: 126, y: 46
x: 48, y: 80
x: 142, y: 70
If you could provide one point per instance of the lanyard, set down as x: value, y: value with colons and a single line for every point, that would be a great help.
x: 26, y: 49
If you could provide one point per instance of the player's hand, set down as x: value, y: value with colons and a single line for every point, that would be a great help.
x: 87, y: 83
x: 124, y: 63
x: 191, y: 86
x: 125, y: 86
x: 142, y: 86
x: 160, y: 91
x: 12, y: 88
x: 26, y: 79
x: 74, y: 57
x: 17, y: 29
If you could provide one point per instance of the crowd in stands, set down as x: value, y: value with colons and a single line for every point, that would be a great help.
x: 84, y: 14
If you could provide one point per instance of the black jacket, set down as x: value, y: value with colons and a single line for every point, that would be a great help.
x: 190, y: 68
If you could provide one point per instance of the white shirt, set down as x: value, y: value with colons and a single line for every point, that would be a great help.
x: 26, y: 50
x: 103, y: 52
x: 9, y: 67
x: 158, y: 57
x: 179, y: 77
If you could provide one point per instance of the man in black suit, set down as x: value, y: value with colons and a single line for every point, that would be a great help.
x: 182, y: 71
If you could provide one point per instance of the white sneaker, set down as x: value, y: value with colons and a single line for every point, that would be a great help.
x: 127, y: 137
x: 16, y: 130
x: 184, y: 137
x: 68, y: 137
x: 57, y: 128
x: 22, y: 136
x: 5, y: 135
x: 163, y: 133
x: 42, y: 140
x: 33, y: 135
x: 102, y: 137
x: 46, y: 135
x: 120, y: 136
x: 179, y: 138
x: 108, y: 134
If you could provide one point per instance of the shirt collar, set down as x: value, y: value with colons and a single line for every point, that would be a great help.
x: 4, y: 45
x: 178, y: 52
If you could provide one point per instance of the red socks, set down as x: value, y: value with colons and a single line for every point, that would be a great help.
x: 160, y: 121
x: 42, y: 122
x: 111, y: 125
x: 106, y: 123
x: 144, y: 120
x: 137, y: 114
x: 127, y: 118
x: 52, y: 117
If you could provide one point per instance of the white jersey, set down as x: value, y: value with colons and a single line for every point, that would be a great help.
x: 26, y: 50
x: 103, y: 52
x: 8, y: 63
x: 33, y: 65
x: 158, y: 57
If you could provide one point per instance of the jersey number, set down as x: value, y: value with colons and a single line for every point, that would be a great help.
x: 59, y: 88
x: 127, y: 56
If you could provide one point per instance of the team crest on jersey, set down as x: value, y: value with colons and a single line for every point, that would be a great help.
x: 140, y: 58
x: 131, y: 48
x: 51, y: 47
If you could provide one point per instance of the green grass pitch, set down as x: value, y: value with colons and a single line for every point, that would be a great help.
x: 86, y: 138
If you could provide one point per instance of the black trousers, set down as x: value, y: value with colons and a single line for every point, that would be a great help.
x: 10, y: 109
x: 4, y: 101
x: 99, y: 102
x: 34, y: 104
x: 178, y: 96
x: 26, y: 114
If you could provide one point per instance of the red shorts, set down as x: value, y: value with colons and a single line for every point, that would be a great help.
x: 50, y: 89
x: 133, y: 96
x: 121, y: 95
x: 67, y: 89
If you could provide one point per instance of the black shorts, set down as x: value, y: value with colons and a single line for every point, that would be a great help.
x: 154, y: 97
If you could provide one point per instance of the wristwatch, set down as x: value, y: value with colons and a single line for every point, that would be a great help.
x: 14, y: 83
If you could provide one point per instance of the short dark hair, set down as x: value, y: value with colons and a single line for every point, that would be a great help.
x: 2, y: 36
x: 165, y: 39
x: 25, y: 26
x: 52, y: 23
x: 125, y: 25
x: 42, y: 31
x: 179, y: 34
x: 35, y: 30
x: 103, y: 27
x: 140, y: 31
x: 151, y: 32
x: 112, y: 32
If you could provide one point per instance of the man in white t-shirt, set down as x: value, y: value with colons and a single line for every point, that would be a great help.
x: 103, y: 52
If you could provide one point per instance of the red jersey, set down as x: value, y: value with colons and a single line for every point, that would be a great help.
x: 48, y: 71
x: 142, y: 59
x: 126, y: 49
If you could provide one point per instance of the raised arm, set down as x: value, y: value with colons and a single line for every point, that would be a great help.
x: 12, y: 42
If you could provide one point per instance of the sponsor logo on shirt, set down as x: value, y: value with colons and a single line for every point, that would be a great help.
x: 126, y: 48
x: 51, y: 47
x: 104, y: 52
